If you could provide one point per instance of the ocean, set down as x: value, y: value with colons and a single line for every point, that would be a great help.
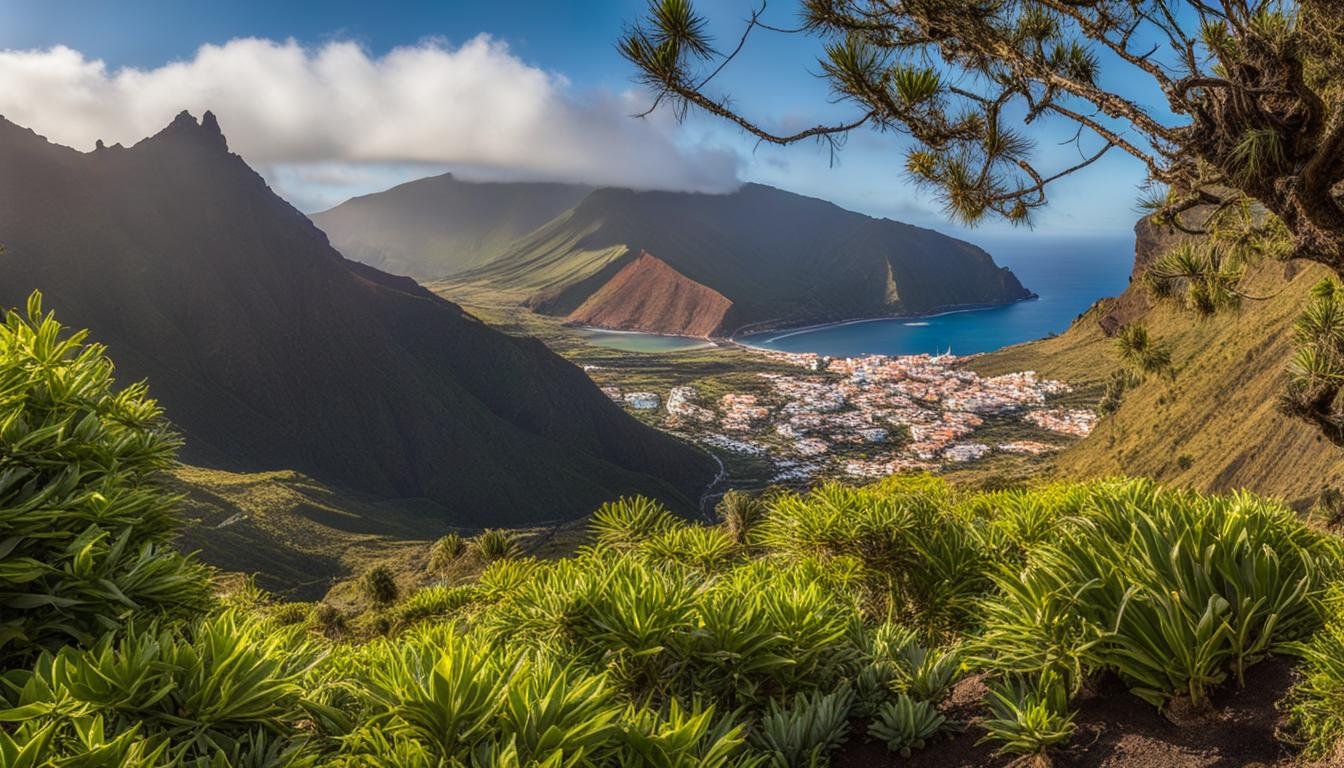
x: 1068, y: 273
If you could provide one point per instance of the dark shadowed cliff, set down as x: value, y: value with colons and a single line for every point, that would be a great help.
x: 270, y: 350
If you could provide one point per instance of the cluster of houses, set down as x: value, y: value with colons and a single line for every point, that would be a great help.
x: 867, y: 416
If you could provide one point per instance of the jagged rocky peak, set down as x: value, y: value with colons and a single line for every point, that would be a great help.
x: 185, y: 126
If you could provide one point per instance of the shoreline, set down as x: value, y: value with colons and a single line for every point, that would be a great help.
x: 787, y: 332
x: 734, y: 339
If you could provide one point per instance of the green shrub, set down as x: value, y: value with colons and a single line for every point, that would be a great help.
x: 445, y: 550
x: 739, y: 512
x: 627, y: 522
x: 225, y: 685
x: 736, y: 652
x: 291, y: 614
x: 680, y: 737
x: 438, y: 602
x: 1316, y: 714
x: 502, y: 578
x: 906, y: 724
x: 924, y: 560
x: 455, y: 699
x: 924, y: 673
x: 1173, y: 591
x: 329, y: 621
x: 804, y: 733
x: 379, y: 585
x: 1028, y: 718
x: 693, y: 545
x: 85, y: 521
x: 496, y: 544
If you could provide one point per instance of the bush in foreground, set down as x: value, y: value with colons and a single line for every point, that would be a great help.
x: 1173, y: 591
x: 85, y: 521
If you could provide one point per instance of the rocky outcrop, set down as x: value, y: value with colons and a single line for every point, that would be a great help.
x: 648, y: 295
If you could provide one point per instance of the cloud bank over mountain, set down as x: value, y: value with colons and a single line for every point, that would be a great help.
x: 304, y: 112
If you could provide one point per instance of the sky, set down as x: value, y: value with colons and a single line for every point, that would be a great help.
x: 333, y: 99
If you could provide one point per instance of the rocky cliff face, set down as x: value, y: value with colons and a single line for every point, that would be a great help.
x: 1150, y: 242
x: 271, y: 351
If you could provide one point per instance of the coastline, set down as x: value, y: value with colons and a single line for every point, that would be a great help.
x: 735, y: 338
x: 787, y: 332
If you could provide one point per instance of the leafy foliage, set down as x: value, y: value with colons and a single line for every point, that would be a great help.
x: 1171, y: 590
x: 802, y: 734
x: 85, y: 522
x: 1317, y: 368
x: 1140, y: 353
x: 496, y: 543
x: 739, y: 512
x: 1029, y: 718
x: 223, y: 687
x: 445, y: 550
x: 1317, y: 704
x: 379, y: 585
x: 906, y: 724
x: 630, y: 521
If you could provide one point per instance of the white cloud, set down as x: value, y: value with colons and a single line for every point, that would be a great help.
x: 283, y: 105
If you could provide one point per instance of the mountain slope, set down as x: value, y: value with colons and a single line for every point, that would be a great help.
x: 1216, y: 425
x: 441, y: 225
x: 781, y: 259
x: 271, y: 351
x: 647, y: 292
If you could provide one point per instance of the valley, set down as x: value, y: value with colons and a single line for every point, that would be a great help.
x: 786, y: 419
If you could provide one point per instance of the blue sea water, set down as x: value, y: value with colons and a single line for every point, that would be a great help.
x: 1068, y: 273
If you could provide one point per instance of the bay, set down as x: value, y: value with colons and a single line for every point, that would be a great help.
x: 1068, y: 273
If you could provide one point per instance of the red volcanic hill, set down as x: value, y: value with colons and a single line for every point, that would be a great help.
x: 270, y: 350
x: 647, y: 293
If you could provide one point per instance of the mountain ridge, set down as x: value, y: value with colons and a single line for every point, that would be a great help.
x: 439, y: 225
x: 270, y: 350
x: 780, y: 259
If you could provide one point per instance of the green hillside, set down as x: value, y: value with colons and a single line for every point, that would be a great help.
x: 1216, y: 425
x: 780, y: 258
x: 442, y: 225
x: 905, y: 622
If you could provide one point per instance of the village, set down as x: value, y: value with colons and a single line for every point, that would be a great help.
x: 866, y: 416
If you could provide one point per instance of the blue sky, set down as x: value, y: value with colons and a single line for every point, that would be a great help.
x: 571, y: 42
